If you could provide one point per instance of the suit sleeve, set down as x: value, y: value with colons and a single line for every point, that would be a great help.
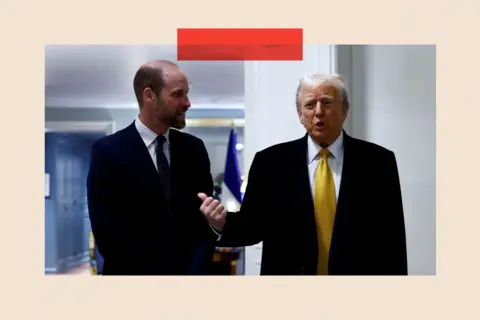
x: 103, y: 206
x: 396, y: 254
x: 204, y: 241
x: 246, y: 227
x: 207, y: 187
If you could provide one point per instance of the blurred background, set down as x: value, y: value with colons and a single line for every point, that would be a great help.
x: 89, y: 94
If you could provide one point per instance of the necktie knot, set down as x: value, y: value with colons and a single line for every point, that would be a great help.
x: 160, y: 140
x: 325, y: 153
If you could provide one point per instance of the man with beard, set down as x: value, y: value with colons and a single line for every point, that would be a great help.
x: 143, y: 183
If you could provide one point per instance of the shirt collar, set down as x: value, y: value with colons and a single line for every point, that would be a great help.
x: 149, y: 136
x: 336, y: 148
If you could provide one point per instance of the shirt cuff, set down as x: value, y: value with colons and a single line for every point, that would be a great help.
x: 218, y: 233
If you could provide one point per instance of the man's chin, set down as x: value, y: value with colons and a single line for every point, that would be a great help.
x: 320, y: 138
x: 179, y: 125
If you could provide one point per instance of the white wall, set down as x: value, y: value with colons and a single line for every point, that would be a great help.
x: 394, y: 104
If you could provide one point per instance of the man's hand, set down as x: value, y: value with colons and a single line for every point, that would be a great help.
x: 215, y: 213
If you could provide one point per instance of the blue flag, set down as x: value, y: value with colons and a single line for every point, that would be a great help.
x: 232, y: 182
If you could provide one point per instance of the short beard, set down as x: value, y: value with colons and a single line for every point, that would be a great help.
x: 172, y: 121
x: 178, y: 124
x: 163, y: 116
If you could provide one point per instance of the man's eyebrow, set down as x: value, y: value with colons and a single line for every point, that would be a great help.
x: 178, y: 89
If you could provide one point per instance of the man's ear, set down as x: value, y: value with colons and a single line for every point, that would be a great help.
x: 300, y: 116
x: 345, y: 113
x: 148, y: 93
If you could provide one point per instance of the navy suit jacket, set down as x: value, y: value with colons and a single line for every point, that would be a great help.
x: 369, y: 230
x: 134, y: 231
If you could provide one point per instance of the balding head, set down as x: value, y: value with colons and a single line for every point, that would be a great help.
x: 151, y: 75
x: 159, y: 64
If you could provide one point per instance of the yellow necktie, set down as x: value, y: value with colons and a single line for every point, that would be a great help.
x: 325, y: 207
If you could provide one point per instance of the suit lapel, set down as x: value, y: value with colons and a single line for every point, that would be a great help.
x: 300, y: 174
x: 305, y: 212
x: 141, y: 157
x: 343, y: 235
x: 175, y: 156
x: 177, y: 167
x: 348, y: 163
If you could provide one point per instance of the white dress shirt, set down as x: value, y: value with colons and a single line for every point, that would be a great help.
x: 149, y: 136
x: 335, y: 162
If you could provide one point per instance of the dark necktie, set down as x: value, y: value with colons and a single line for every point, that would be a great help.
x: 163, y: 166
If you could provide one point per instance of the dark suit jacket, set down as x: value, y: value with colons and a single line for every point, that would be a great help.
x: 369, y: 232
x: 133, y: 230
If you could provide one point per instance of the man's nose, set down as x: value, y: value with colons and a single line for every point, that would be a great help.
x: 187, y: 103
x: 319, y: 108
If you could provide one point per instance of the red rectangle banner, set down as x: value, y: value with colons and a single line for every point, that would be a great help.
x: 240, y: 44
